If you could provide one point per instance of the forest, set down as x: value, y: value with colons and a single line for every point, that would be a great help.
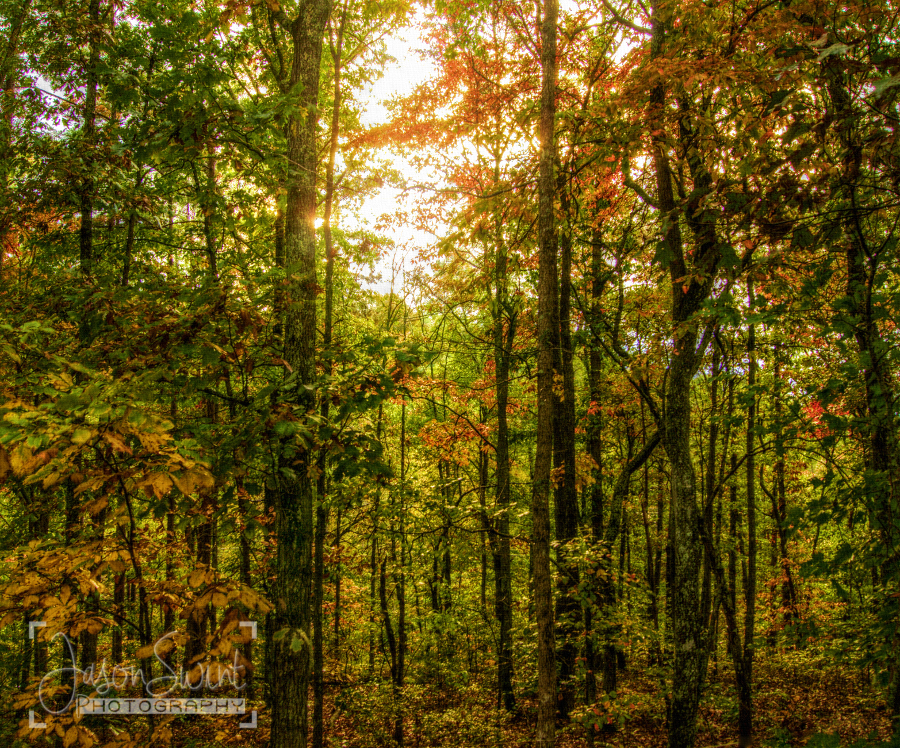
x: 604, y: 452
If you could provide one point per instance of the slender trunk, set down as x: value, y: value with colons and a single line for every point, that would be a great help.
x: 568, y: 608
x: 88, y: 183
x: 595, y: 449
x: 710, y: 483
x: 321, y: 510
x: 606, y: 587
x: 318, y: 591
x: 373, y: 562
x: 88, y: 640
x: 504, y: 335
x: 779, y: 501
x: 9, y: 77
x: 400, y: 678
x: 546, y: 326
x: 337, y: 585
x: 483, y: 530
x: 745, y: 677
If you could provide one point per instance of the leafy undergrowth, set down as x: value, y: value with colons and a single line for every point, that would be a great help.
x: 803, y: 704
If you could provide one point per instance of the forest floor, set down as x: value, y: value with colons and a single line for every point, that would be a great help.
x: 794, y: 701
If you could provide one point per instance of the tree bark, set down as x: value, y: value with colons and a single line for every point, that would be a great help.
x: 504, y: 335
x: 546, y: 326
x: 745, y: 673
x: 688, y: 292
x: 327, y: 333
x: 295, y: 491
x: 568, y: 608
x: 88, y: 136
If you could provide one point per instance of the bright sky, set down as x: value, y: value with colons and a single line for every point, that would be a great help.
x: 400, y: 78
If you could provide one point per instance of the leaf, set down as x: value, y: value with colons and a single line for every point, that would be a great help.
x: 116, y: 442
x: 160, y: 484
x: 81, y: 436
x: 153, y: 442
x: 196, y: 578
x: 834, y: 49
x: 885, y: 83
x: 285, y: 428
x: 193, y: 480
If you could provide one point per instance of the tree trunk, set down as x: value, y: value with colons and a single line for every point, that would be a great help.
x: 88, y: 182
x: 322, y: 483
x: 745, y: 673
x: 568, y: 608
x: 691, y: 276
x: 546, y: 327
x: 295, y: 491
x: 9, y: 77
x: 504, y: 335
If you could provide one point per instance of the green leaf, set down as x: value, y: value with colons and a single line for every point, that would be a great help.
x: 81, y: 436
x: 285, y: 428
x: 802, y: 238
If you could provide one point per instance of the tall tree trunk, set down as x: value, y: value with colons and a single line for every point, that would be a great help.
x: 504, y: 335
x: 568, y: 608
x: 546, y: 331
x: 710, y: 482
x: 400, y: 674
x: 295, y: 491
x: 595, y: 449
x: 322, y: 483
x: 373, y: 562
x: 9, y: 77
x: 685, y: 551
x: 745, y: 673
x: 88, y: 135
x: 691, y: 276
x: 779, y: 499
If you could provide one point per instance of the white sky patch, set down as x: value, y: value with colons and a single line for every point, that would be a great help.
x: 401, y: 77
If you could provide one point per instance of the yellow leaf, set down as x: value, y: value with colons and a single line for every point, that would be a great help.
x: 219, y: 600
x: 160, y: 483
x: 51, y: 480
x: 196, y: 578
x: 5, y: 466
x: 153, y: 442
x: 94, y: 626
x: 94, y: 507
x: 81, y: 436
x: 116, y: 442
x: 20, y: 459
